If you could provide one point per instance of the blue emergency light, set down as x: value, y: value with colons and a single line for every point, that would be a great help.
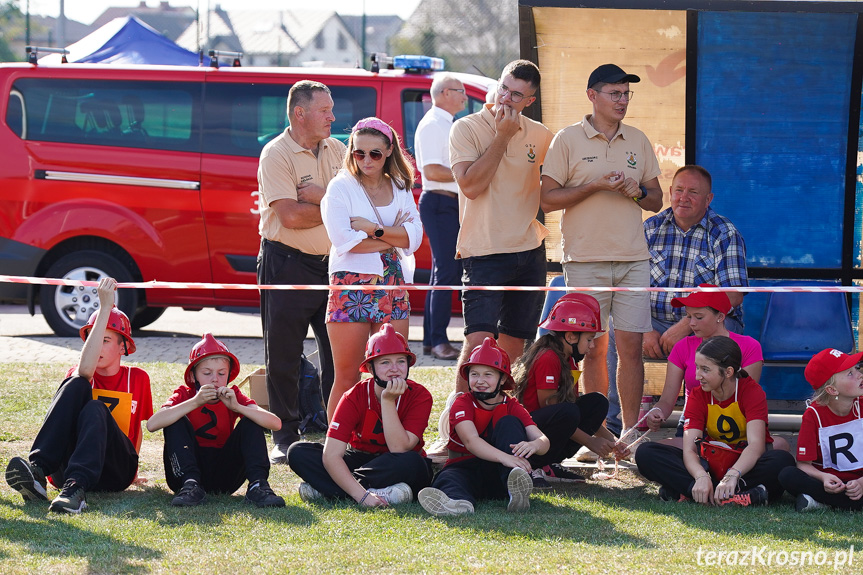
x: 418, y: 63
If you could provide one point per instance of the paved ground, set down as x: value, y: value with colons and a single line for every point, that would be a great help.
x: 169, y: 339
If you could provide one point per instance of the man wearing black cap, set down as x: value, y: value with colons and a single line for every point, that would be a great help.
x: 603, y: 173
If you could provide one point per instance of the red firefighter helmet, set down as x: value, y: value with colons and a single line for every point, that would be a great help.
x: 117, y: 321
x: 208, y: 347
x: 385, y: 342
x: 574, y: 312
x: 491, y: 355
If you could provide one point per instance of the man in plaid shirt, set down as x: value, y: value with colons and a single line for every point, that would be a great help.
x: 690, y: 244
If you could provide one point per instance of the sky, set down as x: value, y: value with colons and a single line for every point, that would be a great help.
x: 86, y: 11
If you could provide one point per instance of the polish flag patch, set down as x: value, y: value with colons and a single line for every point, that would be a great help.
x: 801, y: 450
x: 549, y: 379
x: 459, y: 414
x: 334, y: 425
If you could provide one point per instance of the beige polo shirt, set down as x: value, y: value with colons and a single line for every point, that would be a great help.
x: 502, y: 219
x: 606, y: 226
x: 285, y: 164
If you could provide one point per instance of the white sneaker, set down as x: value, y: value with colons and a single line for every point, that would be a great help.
x: 394, y: 494
x: 584, y: 455
x: 519, y: 485
x: 309, y: 493
x: 438, y: 504
x: 806, y: 503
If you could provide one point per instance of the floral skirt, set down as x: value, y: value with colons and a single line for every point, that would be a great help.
x: 377, y: 306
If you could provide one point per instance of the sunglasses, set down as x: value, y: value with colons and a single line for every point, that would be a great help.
x: 360, y: 155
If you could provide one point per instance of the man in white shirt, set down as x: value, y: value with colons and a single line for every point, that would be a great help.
x: 438, y: 207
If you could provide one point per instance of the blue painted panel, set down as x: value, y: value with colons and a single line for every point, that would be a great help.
x: 772, y: 124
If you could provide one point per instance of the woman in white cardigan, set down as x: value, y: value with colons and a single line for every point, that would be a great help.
x: 373, y: 223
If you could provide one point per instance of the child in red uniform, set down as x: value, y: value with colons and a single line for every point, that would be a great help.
x: 204, y: 450
x: 829, y: 469
x: 728, y: 408
x: 374, y: 447
x: 546, y: 385
x: 491, y: 440
x: 91, y: 435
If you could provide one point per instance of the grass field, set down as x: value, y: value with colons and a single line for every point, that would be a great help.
x: 599, y: 527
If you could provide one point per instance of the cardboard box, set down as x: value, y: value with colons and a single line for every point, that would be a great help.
x: 255, y: 386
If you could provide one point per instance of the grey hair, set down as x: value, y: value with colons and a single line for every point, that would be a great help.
x: 437, y: 86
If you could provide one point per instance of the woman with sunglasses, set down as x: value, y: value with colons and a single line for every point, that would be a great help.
x: 373, y: 223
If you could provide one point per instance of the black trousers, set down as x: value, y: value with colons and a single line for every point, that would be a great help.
x: 796, y: 481
x: 474, y: 479
x: 216, y: 469
x: 371, y: 470
x: 559, y: 421
x: 664, y: 464
x: 286, y: 317
x: 80, y: 440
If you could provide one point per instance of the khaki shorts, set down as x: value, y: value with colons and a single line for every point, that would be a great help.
x: 630, y: 310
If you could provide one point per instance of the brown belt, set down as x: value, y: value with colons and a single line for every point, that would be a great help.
x: 443, y: 193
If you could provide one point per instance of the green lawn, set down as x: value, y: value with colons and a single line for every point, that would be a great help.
x: 600, y: 527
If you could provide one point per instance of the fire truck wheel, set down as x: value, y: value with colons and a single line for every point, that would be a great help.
x: 67, y: 308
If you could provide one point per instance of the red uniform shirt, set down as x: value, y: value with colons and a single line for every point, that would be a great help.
x: 466, y: 408
x: 808, y: 442
x: 357, y: 419
x: 213, y: 423
x: 545, y: 373
x: 750, y: 398
x: 135, y: 381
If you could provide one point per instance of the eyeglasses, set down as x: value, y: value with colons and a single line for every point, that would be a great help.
x: 459, y: 90
x: 616, y: 96
x: 360, y: 155
x: 516, y: 97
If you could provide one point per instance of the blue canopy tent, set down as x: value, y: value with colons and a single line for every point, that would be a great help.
x: 126, y: 41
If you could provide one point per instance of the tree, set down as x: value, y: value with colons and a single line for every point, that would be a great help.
x: 11, y: 24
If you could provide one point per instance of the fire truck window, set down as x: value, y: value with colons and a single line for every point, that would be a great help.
x: 153, y: 115
x: 415, y: 103
x: 241, y: 119
x: 15, y: 114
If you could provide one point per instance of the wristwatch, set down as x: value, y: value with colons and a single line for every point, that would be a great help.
x: 642, y: 196
x: 379, y: 231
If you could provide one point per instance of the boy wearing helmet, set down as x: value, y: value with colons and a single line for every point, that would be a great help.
x: 374, y: 447
x: 204, y: 450
x: 547, y: 385
x: 91, y: 435
x: 491, y: 440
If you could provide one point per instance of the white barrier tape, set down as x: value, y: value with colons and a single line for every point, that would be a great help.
x: 373, y: 287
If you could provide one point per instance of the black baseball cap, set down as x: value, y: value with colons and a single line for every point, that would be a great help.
x: 611, y: 74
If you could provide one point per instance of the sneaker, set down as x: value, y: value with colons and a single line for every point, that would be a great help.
x: 754, y: 497
x: 70, y: 500
x: 807, y: 503
x: 26, y: 479
x: 558, y: 473
x: 519, y: 486
x: 189, y: 495
x: 309, y: 493
x: 585, y: 455
x: 539, y: 480
x: 668, y: 495
x: 279, y: 454
x: 261, y: 495
x: 438, y: 504
x: 394, y: 494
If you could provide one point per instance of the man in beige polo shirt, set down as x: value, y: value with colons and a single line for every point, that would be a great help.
x: 603, y: 173
x: 496, y: 156
x: 293, y: 174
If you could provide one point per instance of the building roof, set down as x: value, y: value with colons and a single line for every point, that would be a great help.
x: 170, y: 21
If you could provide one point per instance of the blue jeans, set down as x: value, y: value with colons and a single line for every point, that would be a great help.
x: 612, y: 421
x: 439, y: 215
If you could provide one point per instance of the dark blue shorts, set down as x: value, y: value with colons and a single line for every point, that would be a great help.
x: 515, y: 314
